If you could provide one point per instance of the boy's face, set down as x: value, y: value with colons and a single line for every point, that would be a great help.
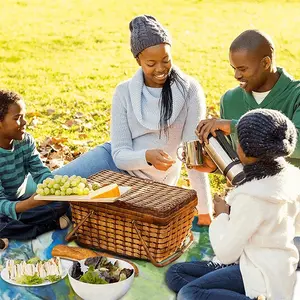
x: 14, y: 123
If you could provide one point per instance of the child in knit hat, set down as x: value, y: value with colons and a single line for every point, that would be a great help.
x: 254, y: 242
x: 153, y: 113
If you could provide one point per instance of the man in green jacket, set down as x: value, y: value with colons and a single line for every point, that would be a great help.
x: 261, y: 85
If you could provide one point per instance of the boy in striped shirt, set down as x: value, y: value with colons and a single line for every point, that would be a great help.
x: 22, y: 217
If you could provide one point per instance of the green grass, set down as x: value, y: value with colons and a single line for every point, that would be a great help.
x: 70, y: 54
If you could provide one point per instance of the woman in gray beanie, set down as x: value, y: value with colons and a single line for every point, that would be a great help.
x: 152, y: 114
x: 254, y: 243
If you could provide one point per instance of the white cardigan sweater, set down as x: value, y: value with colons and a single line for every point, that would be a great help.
x: 264, y: 219
x: 135, y: 129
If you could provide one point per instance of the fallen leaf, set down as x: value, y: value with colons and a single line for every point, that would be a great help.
x: 56, y: 163
x: 54, y: 152
x: 78, y: 121
x: 83, y: 136
x: 69, y: 123
x: 50, y: 111
x: 79, y: 143
x: 59, y: 140
x: 78, y: 115
x: 33, y: 114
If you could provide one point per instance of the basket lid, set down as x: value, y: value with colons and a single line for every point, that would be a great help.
x: 146, y: 196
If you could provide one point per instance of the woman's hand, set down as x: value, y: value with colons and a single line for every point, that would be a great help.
x: 159, y: 159
x: 205, y: 127
x: 220, y: 206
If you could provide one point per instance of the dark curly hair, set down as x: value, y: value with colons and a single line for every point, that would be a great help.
x: 7, y: 98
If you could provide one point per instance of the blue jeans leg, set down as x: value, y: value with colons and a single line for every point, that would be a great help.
x: 180, y: 274
x: 222, y: 284
x: 33, y: 222
x: 94, y: 161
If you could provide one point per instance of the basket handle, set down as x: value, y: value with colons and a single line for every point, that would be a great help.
x: 168, y: 260
x: 70, y: 235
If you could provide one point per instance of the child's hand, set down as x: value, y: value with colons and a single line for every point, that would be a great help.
x: 220, y: 206
x: 208, y: 164
x: 29, y: 203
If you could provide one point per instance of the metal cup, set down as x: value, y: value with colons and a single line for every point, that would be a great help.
x: 193, y: 153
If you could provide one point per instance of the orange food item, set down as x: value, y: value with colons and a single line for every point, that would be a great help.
x: 108, y: 191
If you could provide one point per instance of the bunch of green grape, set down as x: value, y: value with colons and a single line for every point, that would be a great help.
x: 65, y: 186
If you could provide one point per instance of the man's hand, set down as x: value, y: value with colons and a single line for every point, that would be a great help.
x: 205, y: 127
x: 220, y: 206
x: 159, y: 159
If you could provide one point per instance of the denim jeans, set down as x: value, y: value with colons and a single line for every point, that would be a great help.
x: 94, y: 161
x: 206, y: 280
x: 33, y: 222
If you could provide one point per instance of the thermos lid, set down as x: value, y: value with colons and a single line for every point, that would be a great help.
x: 238, y: 179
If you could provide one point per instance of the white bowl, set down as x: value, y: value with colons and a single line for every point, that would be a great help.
x: 110, y: 291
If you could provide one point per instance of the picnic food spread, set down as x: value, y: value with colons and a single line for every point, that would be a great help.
x: 100, y: 271
x: 34, y: 271
x: 66, y: 187
x: 77, y: 253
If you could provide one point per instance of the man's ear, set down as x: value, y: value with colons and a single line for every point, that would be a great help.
x: 267, y: 62
x: 138, y: 61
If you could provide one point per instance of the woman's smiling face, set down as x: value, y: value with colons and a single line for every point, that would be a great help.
x: 156, y: 63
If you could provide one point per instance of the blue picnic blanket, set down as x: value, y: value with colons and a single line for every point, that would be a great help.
x: 150, y: 279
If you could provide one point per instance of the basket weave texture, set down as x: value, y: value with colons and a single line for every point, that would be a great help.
x: 159, y: 214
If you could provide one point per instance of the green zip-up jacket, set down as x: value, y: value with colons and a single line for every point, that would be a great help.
x: 284, y: 96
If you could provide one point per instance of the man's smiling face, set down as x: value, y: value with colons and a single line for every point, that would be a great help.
x: 249, y: 70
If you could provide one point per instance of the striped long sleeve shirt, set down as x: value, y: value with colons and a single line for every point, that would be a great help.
x: 15, y: 165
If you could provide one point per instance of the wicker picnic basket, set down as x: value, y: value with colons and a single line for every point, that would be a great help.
x: 151, y: 221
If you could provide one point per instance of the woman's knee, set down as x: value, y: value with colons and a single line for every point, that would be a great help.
x: 95, y: 160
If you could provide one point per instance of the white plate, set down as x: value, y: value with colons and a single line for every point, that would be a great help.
x: 65, y: 264
x: 77, y: 198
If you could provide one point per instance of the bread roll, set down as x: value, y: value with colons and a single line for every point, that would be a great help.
x: 73, y: 253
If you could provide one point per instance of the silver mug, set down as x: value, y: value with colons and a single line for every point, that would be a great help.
x: 193, y: 153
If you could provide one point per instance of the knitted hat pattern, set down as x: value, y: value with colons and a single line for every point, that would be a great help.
x: 266, y: 134
x: 146, y: 32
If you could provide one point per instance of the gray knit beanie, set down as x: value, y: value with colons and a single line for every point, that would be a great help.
x: 146, y: 32
x: 266, y: 133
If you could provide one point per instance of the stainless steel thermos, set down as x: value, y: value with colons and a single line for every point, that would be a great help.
x: 226, y: 159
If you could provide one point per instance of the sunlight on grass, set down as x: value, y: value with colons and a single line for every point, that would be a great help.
x: 69, y: 55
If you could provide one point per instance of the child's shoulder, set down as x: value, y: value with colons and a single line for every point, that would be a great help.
x: 278, y: 188
x: 27, y: 140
